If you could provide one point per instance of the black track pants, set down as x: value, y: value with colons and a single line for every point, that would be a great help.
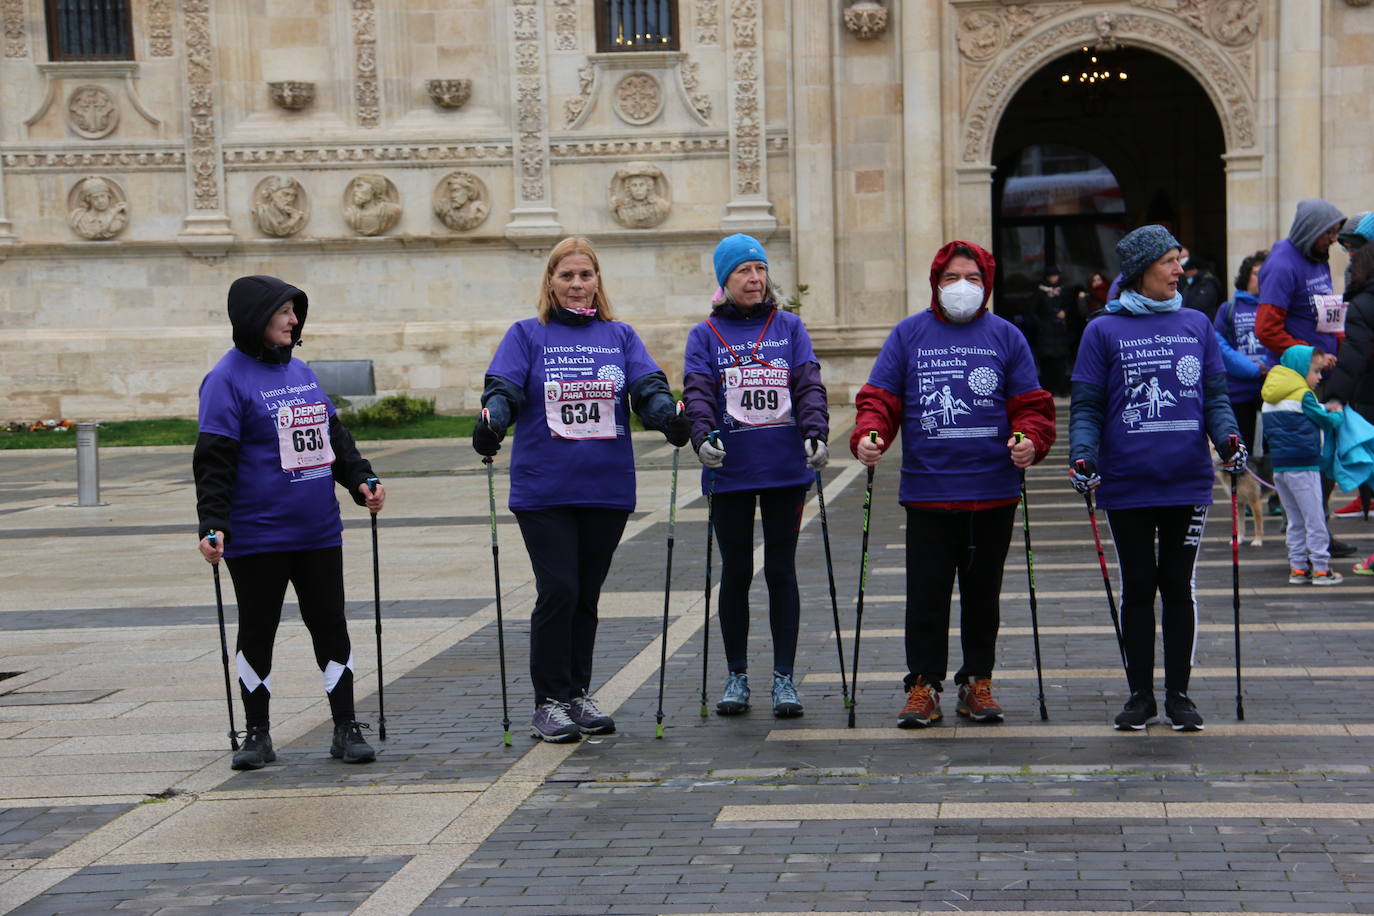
x: 939, y: 546
x: 1170, y: 572
x: 260, y: 586
x: 571, y: 551
x: 781, y: 510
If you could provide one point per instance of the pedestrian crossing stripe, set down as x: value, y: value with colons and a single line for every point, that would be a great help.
x: 1075, y: 731
x: 1246, y: 591
x: 1045, y: 810
x: 1315, y: 672
x: 1315, y: 626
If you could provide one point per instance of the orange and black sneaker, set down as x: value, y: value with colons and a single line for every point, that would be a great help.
x: 922, y: 706
x: 976, y: 702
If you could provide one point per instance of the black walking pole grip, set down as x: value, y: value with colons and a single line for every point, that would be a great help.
x: 377, y: 609
x: 1030, y: 578
x: 213, y: 539
x: 1235, y: 576
x: 863, y: 584
x: 706, y: 621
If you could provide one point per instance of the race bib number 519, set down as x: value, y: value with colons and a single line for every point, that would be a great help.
x: 303, y: 437
x: 582, y: 409
x: 1330, y: 313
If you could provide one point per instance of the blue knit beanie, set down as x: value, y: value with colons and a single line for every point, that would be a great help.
x: 1366, y: 227
x: 1140, y: 248
x: 733, y: 251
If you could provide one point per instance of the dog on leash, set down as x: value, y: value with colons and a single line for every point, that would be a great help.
x: 1248, y: 494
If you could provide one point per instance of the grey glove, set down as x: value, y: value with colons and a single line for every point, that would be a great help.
x: 817, y: 455
x: 712, y: 456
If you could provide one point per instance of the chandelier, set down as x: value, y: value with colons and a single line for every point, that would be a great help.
x: 1093, y: 70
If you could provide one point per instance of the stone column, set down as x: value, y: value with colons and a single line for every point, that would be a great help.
x: 1299, y: 34
x: 7, y: 236
x: 923, y: 147
x: 812, y: 134
x: 205, y: 230
x: 748, y: 209
x: 533, y: 218
x: 1247, y: 229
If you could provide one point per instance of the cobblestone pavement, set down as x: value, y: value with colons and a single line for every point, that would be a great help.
x: 116, y: 796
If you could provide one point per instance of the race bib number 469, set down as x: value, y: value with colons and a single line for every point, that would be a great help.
x: 303, y: 437
x: 1330, y: 313
x: 758, y: 395
x: 582, y: 409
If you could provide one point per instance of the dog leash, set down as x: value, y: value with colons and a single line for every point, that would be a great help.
x: 1262, y: 481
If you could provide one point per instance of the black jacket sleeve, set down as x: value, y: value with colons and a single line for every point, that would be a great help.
x: 1353, y: 361
x: 215, y: 466
x: 350, y: 468
x: 652, y: 399
x: 504, y: 399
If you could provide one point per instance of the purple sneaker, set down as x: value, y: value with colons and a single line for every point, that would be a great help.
x: 551, y: 723
x: 591, y: 720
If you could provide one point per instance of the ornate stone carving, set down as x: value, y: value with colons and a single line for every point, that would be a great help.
x: 200, y: 76
x: 707, y: 23
x: 293, y: 95
x: 12, y: 19
x: 747, y: 126
x: 353, y: 156
x: 280, y: 207
x: 371, y: 204
x: 98, y: 209
x: 1193, y: 12
x: 531, y: 141
x: 575, y: 108
x: 1358, y: 2
x: 980, y: 35
x: 565, y: 25
x: 1234, y: 23
x: 639, y: 195
x: 127, y: 160
x: 160, y: 28
x: 1021, y: 17
x: 449, y: 93
x: 700, y: 101
x: 618, y: 149
x: 365, y: 94
x: 865, y: 18
x: 638, y: 98
x: 92, y: 112
x: 461, y: 201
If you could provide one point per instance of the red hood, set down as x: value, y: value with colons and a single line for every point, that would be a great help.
x: 942, y: 258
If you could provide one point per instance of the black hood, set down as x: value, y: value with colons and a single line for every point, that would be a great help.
x: 252, y: 302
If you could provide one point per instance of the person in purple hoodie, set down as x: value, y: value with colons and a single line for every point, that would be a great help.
x: 1247, y: 360
x: 752, y: 376
x: 568, y: 379
x: 269, y: 451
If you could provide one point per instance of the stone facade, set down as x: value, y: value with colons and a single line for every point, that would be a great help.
x: 853, y: 151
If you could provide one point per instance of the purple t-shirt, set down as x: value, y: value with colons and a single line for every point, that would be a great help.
x: 757, y: 456
x: 1288, y: 280
x: 1239, y: 332
x: 578, y: 378
x: 954, y: 381
x: 279, y: 415
x: 1153, y: 449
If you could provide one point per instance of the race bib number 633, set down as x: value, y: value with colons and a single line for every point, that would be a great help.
x: 303, y: 437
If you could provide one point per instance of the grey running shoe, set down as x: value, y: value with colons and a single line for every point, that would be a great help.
x: 1181, y: 712
x: 552, y: 723
x: 736, y: 697
x: 349, y: 745
x: 785, y: 702
x: 590, y: 719
x: 256, y: 751
x: 1138, y: 712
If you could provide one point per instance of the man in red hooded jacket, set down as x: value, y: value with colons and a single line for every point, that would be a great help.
x: 959, y: 382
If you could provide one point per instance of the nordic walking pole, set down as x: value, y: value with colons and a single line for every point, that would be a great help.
x: 1030, y: 577
x: 667, y: 587
x: 830, y: 571
x: 496, y: 575
x: 213, y: 538
x: 1106, y: 579
x: 706, y: 621
x: 863, y: 583
x: 377, y: 609
x: 1235, y: 577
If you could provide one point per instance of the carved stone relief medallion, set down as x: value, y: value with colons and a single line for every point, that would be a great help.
x: 461, y: 201
x: 638, y: 98
x: 371, y: 204
x: 91, y: 112
x: 1234, y: 22
x: 639, y: 195
x: 97, y: 209
x: 980, y: 36
x: 280, y: 207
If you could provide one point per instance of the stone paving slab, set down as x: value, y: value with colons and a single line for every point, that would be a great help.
x: 27, y: 833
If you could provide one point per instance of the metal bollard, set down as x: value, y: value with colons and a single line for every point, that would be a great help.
x: 87, y: 465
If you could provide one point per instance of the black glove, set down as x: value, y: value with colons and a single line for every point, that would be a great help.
x: 678, y: 429
x: 486, y: 440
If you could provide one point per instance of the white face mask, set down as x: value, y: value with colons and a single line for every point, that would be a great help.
x: 961, y: 300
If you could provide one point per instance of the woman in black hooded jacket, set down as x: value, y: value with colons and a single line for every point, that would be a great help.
x: 1352, y: 383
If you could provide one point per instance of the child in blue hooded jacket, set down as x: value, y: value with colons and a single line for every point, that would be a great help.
x: 1294, y: 421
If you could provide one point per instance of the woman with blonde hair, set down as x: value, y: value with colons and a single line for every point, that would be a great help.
x: 572, y: 476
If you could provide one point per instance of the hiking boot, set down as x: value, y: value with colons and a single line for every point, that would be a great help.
x: 735, y: 700
x: 785, y: 702
x: 1138, y: 712
x: 1340, y: 549
x: 256, y: 751
x: 1181, y: 712
x: 922, y: 706
x: 349, y: 745
x: 1356, y: 508
x: 589, y: 719
x: 552, y: 723
x: 1325, y: 577
x: 1298, y: 576
x: 976, y: 702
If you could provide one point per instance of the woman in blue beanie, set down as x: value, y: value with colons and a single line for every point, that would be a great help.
x: 752, y: 377
x: 1149, y: 388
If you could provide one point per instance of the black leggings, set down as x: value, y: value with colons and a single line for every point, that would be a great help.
x: 1171, y: 573
x: 940, y: 545
x: 260, y: 586
x: 781, y: 512
x: 570, y: 550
